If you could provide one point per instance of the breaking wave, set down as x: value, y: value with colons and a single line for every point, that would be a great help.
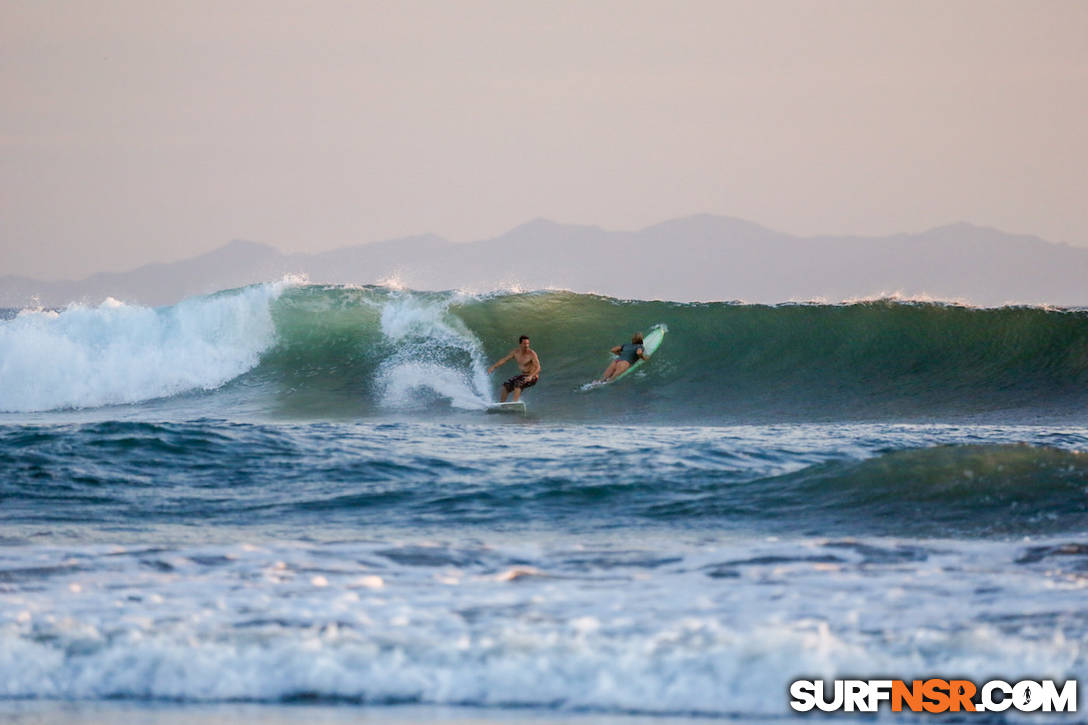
x: 333, y: 351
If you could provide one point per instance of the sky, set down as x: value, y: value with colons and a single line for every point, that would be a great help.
x: 136, y: 132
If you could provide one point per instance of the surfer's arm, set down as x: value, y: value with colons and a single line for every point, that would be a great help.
x: 642, y: 353
x: 616, y: 349
x: 534, y: 367
x: 500, y: 362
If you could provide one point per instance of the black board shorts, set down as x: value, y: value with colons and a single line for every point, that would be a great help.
x: 519, y: 381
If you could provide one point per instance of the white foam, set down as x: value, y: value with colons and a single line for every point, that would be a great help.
x: 268, y: 624
x: 420, y: 328
x: 117, y: 353
x: 901, y: 297
x: 393, y: 281
x: 402, y: 383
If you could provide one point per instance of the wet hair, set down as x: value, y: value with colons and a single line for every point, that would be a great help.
x: 637, y: 338
x: 523, y: 337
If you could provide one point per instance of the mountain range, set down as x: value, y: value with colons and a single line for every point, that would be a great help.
x: 697, y: 258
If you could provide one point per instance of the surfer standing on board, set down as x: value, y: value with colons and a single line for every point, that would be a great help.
x: 627, y: 354
x: 530, y: 369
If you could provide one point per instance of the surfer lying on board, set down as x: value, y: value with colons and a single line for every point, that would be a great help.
x: 530, y: 369
x: 627, y: 354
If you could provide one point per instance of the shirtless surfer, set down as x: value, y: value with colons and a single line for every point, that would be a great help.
x: 530, y: 369
x: 626, y: 354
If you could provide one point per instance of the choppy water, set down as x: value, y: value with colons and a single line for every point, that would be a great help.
x: 289, y: 493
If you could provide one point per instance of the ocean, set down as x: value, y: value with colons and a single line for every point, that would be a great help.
x: 287, y: 503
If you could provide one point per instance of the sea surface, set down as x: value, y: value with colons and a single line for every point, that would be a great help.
x: 289, y: 500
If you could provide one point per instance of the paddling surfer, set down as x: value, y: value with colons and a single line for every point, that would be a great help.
x: 530, y: 369
x: 627, y: 354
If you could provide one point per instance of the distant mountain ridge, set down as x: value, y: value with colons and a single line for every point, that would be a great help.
x: 696, y: 258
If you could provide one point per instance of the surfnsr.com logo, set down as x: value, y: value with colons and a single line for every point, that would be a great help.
x: 934, y: 695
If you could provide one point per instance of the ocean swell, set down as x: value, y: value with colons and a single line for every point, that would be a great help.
x: 320, y: 351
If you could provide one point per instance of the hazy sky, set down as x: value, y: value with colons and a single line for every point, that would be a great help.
x: 137, y: 131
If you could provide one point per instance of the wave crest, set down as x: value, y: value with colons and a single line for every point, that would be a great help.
x: 117, y: 353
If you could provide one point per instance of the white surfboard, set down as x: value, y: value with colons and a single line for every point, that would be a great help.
x: 511, y: 407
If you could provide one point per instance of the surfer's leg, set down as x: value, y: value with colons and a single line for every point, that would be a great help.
x: 616, y: 368
x: 510, y: 386
x: 517, y: 394
x: 609, y: 371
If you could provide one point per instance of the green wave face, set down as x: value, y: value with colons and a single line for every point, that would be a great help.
x: 360, y: 351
